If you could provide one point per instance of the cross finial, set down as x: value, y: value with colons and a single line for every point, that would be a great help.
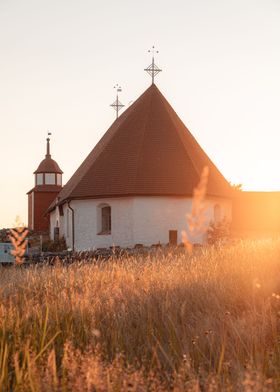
x: 153, y: 69
x: 117, y: 105
x: 48, y: 145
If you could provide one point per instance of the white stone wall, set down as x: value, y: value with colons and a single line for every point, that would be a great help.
x: 54, y: 217
x: 144, y: 220
x: 86, y: 223
x: 155, y: 216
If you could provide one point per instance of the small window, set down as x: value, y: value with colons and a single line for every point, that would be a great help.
x: 60, y: 210
x: 39, y: 179
x: 217, y: 213
x: 104, y: 212
x: 50, y: 178
x: 59, y: 179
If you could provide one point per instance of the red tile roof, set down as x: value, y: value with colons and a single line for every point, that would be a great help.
x: 46, y: 188
x: 147, y: 151
x: 48, y: 165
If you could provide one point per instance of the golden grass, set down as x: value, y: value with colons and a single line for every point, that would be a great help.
x: 209, y: 321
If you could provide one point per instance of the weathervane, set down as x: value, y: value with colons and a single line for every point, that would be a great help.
x: 117, y: 105
x: 48, y: 144
x: 153, y: 69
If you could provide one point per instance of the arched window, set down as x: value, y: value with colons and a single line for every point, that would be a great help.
x: 104, y: 219
x: 217, y: 213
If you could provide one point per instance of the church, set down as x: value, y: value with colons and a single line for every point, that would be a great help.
x: 136, y: 185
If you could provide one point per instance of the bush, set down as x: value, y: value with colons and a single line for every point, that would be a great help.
x: 54, y: 246
x: 218, y: 232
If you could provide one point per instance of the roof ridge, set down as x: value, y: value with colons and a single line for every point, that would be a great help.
x: 143, y: 138
x: 169, y: 112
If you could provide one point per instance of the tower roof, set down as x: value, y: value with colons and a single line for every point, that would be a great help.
x: 48, y: 165
x: 146, y: 151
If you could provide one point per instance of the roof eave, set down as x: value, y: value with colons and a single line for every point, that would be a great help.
x: 46, y: 172
x: 113, y: 196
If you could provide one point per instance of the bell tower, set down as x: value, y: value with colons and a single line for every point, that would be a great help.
x: 48, y: 183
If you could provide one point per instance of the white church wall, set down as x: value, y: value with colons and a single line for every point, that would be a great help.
x: 54, y: 220
x: 86, y: 223
x: 52, y: 223
x: 155, y: 216
x: 57, y: 220
x: 135, y: 220
x: 67, y: 226
x: 62, y: 224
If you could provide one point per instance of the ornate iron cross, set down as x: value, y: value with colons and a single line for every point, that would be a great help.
x: 117, y: 105
x: 153, y: 69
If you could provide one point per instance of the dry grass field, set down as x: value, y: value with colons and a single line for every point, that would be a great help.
x: 209, y: 321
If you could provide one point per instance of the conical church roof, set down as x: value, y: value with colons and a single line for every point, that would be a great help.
x: 146, y: 151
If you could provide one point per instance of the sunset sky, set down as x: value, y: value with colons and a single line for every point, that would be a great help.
x: 61, y: 58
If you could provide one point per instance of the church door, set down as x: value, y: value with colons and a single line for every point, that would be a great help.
x: 173, y: 237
